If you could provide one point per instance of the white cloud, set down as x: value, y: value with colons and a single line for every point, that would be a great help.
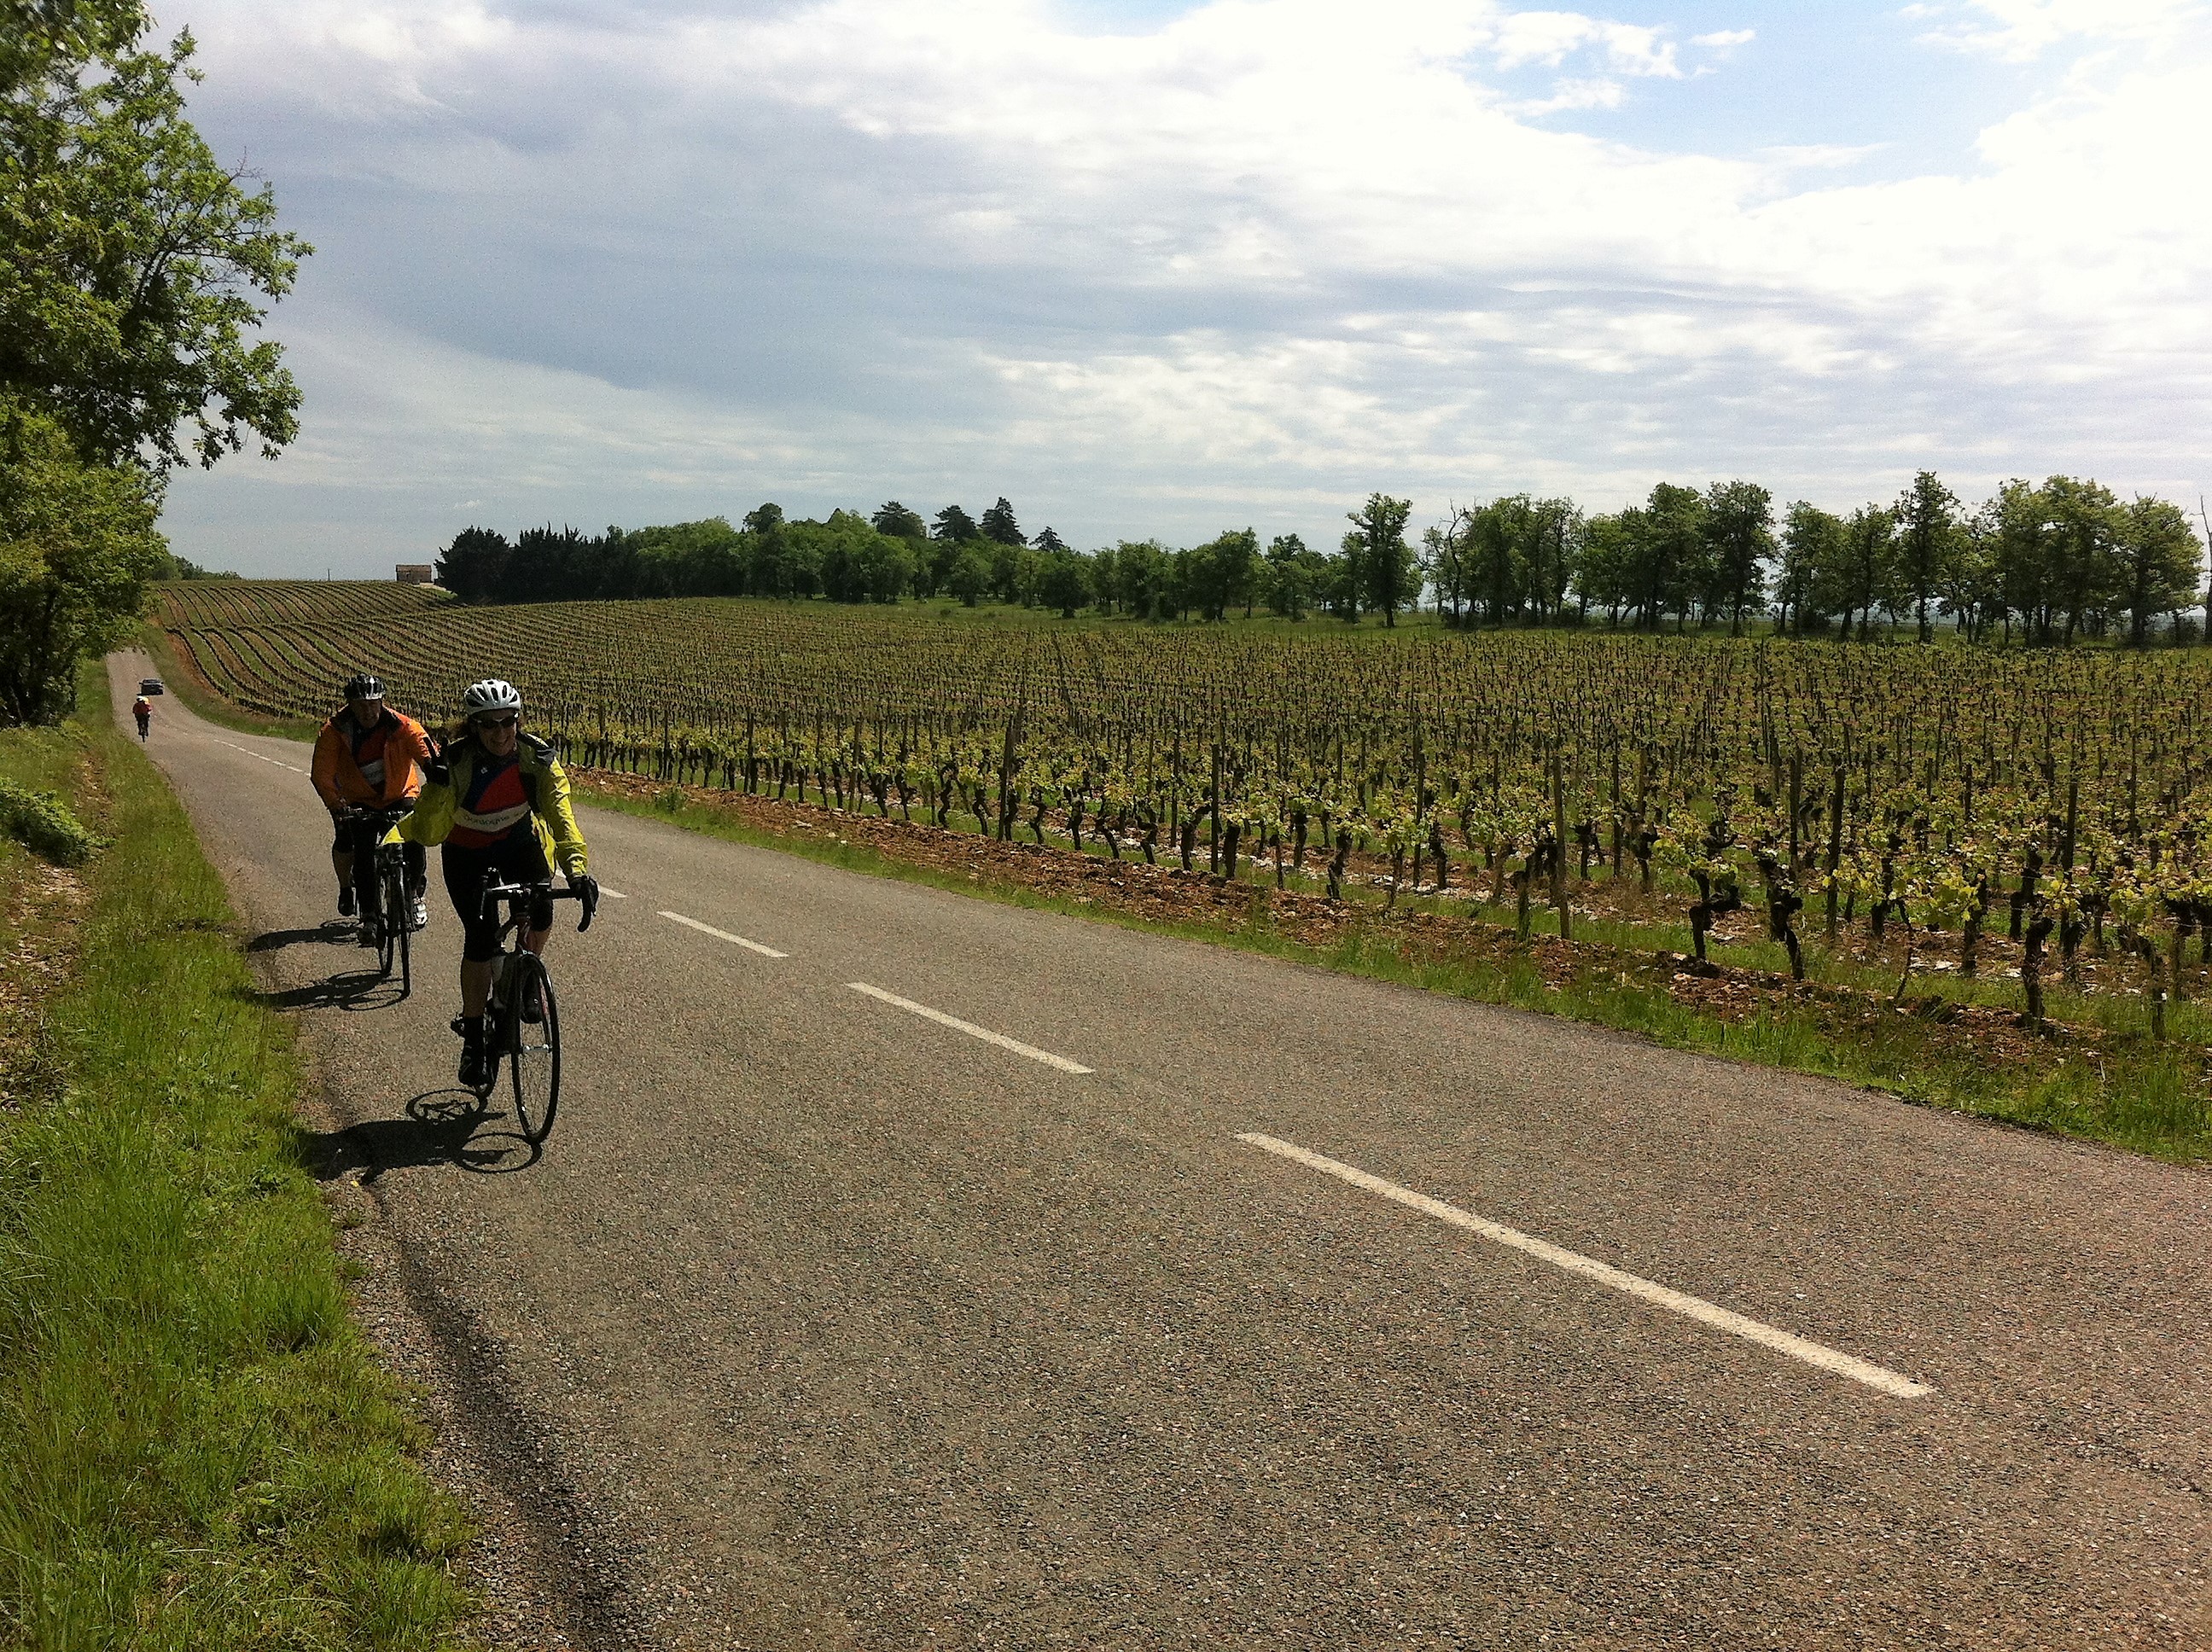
x: 1726, y: 37
x: 675, y: 263
x: 2016, y: 31
x: 1520, y: 39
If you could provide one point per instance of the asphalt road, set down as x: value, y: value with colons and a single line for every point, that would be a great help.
x: 821, y: 1324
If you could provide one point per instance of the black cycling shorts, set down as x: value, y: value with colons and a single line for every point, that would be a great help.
x: 519, y: 857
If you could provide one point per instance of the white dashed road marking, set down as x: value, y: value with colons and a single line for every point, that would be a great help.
x: 258, y: 757
x: 968, y: 1027
x: 1696, y: 1308
x: 724, y: 935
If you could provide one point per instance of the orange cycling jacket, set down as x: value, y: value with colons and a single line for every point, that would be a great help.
x: 371, y: 768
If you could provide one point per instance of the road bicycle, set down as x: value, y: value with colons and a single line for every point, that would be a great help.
x: 387, y: 921
x: 529, y: 1045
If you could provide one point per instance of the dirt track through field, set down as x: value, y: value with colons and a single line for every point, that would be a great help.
x: 822, y: 1322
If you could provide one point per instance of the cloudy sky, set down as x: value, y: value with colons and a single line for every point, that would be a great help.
x: 1148, y: 267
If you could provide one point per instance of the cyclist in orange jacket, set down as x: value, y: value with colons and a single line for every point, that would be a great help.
x: 370, y: 756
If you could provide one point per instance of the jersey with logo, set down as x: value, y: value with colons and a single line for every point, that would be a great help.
x: 495, y: 804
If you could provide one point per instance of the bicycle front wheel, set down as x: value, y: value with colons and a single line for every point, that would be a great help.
x: 389, y: 894
x: 533, y: 1048
x: 402, y: 908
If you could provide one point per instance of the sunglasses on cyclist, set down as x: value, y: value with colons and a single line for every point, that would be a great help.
x: 508, y: 721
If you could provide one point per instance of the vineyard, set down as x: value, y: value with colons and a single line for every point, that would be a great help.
x: 1955, y: 815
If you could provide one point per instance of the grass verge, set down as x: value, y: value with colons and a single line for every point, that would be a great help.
x: 196, y: 1447
x: 2126, y: 1090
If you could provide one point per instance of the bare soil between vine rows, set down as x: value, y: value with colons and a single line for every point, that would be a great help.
x: 1945, y: 1029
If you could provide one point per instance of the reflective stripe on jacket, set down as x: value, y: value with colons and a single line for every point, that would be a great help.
x: 438, y: 811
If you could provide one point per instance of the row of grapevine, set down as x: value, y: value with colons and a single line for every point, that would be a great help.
x: 2009, y: 802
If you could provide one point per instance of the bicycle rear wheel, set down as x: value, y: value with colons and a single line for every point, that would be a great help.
x: 533, y: 1050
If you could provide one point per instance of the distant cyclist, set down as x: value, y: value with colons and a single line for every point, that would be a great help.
x: 143, y: 709
x: 370, y: 756
x: 498, y: 801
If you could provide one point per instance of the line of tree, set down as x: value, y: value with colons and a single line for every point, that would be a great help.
x: 2045, y: 564
x: 133, y: 266
x: 894, y: 552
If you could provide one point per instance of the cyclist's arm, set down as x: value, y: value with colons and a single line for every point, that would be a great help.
x: 406, y: 761
x: 323, y: 770
x: 553, y: 806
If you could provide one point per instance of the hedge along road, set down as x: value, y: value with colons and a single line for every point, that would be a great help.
x: 1066, y: 1286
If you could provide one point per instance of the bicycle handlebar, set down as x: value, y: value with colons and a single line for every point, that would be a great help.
x: 494, y: 891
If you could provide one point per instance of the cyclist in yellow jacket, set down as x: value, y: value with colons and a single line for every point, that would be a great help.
x: 497, y: 800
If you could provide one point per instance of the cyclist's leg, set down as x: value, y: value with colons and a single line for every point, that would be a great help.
x: 341, y: 859
x: 418, y: 879
x: 530, y: 867
x: 464, y: 871
x: 361, y: 861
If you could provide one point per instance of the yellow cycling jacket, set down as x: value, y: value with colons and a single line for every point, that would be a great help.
x: 543, y: 781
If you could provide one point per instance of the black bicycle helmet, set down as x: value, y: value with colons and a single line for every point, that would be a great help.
x: 363, y: 686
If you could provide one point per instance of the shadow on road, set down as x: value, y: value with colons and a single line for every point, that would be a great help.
x: 355, y: 989
x: 441, y: 1128
x: 331, y: 930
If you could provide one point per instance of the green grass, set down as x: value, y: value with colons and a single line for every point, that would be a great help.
x: 196, y: 1447
x: 2144, y: 1097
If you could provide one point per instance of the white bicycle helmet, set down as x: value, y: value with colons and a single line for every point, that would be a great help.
x: 493, y: 693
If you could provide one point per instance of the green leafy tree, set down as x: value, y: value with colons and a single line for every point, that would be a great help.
x: 1236, y: 555
x: 1812, y: 541
x: 1446, y: 568
x: 1553, y: 544
x: 1343, y: 589
x: 1049, y: 542
x: 2016, y: 525
x: 2084, y: 521
x: 1140, y: 577
x: 1065, y: 582
x: 900, y: 523
x: 1865, y: 566
x: 2156, y: 557
x: 474, y: 567
x: 1388, y: 572
x: 133, y: 267
x: 1605, y: 570
x: 1000, y: 526
x: 1293, y: 576
x: 1498, y: 536
x: 1670, y: 551
x: 78, y: 545
x: 1738, y: 542
x: 1928, y: 538
x: 971, y: 576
